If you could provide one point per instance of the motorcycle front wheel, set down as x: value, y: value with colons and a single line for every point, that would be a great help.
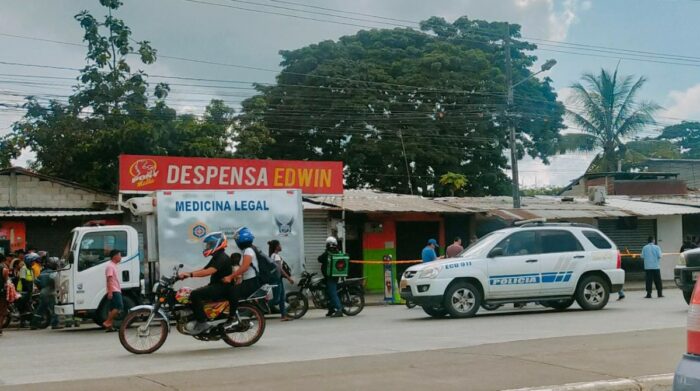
x: 353, y: 300
x: 139, y: 339
x: 297, y: 304
x: 250, y: 328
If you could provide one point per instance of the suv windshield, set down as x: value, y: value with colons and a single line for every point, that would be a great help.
x: 482, y: 246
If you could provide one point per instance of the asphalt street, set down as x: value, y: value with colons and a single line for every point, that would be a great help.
x: 532, y: 346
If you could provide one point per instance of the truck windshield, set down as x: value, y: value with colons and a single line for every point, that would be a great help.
x: 482, y: 246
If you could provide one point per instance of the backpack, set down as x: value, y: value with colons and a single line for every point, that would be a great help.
x: 268, y: 273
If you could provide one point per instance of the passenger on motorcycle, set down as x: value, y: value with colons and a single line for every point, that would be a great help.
x: 248, y: 270
x: 334, y: 307
x: 219, y: 266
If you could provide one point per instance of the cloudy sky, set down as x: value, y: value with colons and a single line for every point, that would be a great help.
x: 250, y: 33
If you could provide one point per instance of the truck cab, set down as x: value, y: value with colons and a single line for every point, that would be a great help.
x: 81, y: 282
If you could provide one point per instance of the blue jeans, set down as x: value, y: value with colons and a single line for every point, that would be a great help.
x: 332, y: 290
x: 281, y: 298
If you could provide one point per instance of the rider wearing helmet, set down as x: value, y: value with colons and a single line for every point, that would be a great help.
x: 248, y: 270
x: 219, y: 266
x: 334, y: 307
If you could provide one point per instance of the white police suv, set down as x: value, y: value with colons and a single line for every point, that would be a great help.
x: 553, y: 264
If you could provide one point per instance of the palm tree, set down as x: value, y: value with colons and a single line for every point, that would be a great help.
x: 606, y: 112
x: 454, y: 182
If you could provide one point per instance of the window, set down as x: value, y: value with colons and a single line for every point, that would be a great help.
x: 95, y: 248
x: 597, y: 239
x: 519, y: 243
x: 555, y: 241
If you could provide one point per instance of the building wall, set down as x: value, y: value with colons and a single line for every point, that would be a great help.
x: 688, y: 170
x: 378, y: 244
x: 32, y: 192
x: 650, y: 187
x: 670, y: 239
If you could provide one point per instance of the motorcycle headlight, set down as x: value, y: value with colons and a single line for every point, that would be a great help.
x: 155, y: 287
x: 430, y: 272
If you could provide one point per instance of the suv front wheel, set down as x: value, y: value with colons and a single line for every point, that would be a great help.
x: 462, y: 300
x: 593, y: 293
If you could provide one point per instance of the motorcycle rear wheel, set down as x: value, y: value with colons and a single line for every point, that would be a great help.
x: 353, y: 300
x: 250, y: 329
x: 297, y: 304
x: 135, y: 338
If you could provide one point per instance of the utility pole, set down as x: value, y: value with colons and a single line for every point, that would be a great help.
x: 511, y: 128
x: 405, y: 159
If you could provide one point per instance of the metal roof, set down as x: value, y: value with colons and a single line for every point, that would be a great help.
x: 57, y: 213
x: 657, y: 206
x: 369, y: 201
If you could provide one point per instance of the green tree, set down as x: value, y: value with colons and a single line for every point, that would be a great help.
x: 379, y: 98
x: 686, y: 135
x: 453, y: 182
x: 109, y: 113
x: 607, y: 112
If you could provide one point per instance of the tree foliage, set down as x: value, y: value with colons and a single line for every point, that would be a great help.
x: 109, y: 113
x: 377, y: 98
x: 686, y: 135
x: 454, y: 182
x: 607, y: 112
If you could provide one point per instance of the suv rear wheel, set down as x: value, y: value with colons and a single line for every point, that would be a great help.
x: 592, y: 293
x: 462, y: 300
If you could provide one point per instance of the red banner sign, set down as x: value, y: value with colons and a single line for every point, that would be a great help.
x: 144, y: 174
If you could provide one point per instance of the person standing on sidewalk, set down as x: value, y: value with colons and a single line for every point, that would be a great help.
x: 651, y: 254
x: 114, y: 290
x: 455, y: 248
x: 428, y: 254
x: 4, y: 280
x: 335, y: 308
x: 274, y: 252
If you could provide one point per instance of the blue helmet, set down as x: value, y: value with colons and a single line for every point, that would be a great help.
x: 214, y: 242
x: 243, y: 237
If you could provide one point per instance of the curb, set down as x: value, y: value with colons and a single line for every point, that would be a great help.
x: 643, y: 383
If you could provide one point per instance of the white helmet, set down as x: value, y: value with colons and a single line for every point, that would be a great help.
x: 331, y: 241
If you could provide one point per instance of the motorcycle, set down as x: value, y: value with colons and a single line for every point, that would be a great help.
x: 146, y: 327
x: 15, y: 316
x: 311, y: 285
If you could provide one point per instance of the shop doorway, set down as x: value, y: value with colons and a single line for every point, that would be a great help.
x: 411, y: 238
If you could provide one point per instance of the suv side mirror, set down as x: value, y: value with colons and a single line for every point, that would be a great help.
x: 496, y: 252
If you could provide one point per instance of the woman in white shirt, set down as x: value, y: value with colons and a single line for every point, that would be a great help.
x: 274, y: 249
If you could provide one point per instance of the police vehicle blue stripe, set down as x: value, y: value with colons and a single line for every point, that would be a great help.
x: 531, y: 278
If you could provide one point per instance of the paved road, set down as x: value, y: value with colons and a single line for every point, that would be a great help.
x: 90, y: 354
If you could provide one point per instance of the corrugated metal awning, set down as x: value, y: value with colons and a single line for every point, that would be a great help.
x: 58, y: 213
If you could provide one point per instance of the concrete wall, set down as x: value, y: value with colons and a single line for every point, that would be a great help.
x: 33, y: 192
x: 670, y: 238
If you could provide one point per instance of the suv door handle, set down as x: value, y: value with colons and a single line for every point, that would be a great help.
x: 579, y: 256
x: 531, y: 261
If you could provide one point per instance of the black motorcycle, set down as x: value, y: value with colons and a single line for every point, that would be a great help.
x: 15, y: 316
x: 146, y: 327
x: 311, y: 285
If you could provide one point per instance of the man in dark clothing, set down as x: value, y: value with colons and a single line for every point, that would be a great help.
x: 219, y: 266
x: 688, y: 244
x: 47, y: 296
x: 334, y: 306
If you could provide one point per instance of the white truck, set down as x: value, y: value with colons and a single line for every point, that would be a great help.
x: 174, y: 224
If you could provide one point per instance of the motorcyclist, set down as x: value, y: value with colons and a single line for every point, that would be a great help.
x: 47, y: 296
x: 334, y: 307
x: 219, y: 266
x: 248, y: 271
